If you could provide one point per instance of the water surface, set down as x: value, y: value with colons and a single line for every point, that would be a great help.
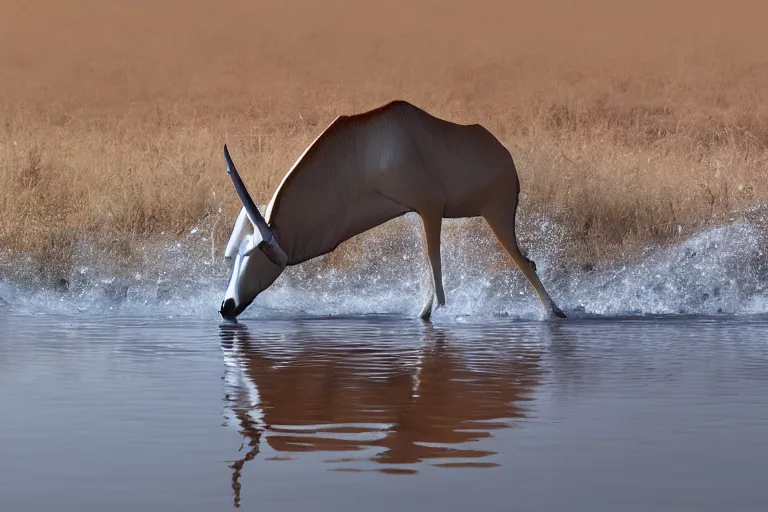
x: 383, y: 413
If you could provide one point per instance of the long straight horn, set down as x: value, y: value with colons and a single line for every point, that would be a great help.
x: 269, y: 245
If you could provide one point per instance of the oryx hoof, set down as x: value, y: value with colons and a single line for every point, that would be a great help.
x: 426, y: 311
x: 558, y: 312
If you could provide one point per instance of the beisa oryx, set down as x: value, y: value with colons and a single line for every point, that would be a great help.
x: 362, y: 171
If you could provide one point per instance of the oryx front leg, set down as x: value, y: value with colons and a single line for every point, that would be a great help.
x: 432, y: 225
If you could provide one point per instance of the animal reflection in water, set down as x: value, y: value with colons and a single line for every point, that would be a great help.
x: 397, y: 395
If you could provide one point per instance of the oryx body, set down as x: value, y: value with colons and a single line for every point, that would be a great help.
x: 364, y: 170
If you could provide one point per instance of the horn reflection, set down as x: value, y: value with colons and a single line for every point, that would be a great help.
x: 396, y: 395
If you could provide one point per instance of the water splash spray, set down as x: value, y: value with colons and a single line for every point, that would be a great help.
x: 721, y: 270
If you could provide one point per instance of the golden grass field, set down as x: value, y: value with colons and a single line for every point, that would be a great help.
x: 631, y: 123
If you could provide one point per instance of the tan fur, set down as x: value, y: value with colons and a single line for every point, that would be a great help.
x: 367, y: 169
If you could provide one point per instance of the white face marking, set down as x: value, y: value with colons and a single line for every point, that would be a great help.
x: 239, y: 230
x: 248, y: 244
x: 252, y: 272
x: 231, y: 292
x: 242, y: 230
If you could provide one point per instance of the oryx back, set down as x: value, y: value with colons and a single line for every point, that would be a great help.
x: 366, y: 169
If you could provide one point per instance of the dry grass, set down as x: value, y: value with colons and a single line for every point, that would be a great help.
x: 630, y: 124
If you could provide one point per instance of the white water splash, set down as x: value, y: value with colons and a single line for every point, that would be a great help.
x: 720, y: 270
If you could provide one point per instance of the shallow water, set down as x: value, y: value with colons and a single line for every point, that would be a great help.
x: 383, y: 413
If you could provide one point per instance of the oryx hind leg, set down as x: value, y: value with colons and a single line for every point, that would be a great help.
x: 432, y: 224
x: 501, y: 218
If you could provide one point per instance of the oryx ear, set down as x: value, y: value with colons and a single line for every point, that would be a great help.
x: 269, y: 245
x: 241, y: 228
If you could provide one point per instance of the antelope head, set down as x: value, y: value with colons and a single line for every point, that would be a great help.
x: 258, y: 259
